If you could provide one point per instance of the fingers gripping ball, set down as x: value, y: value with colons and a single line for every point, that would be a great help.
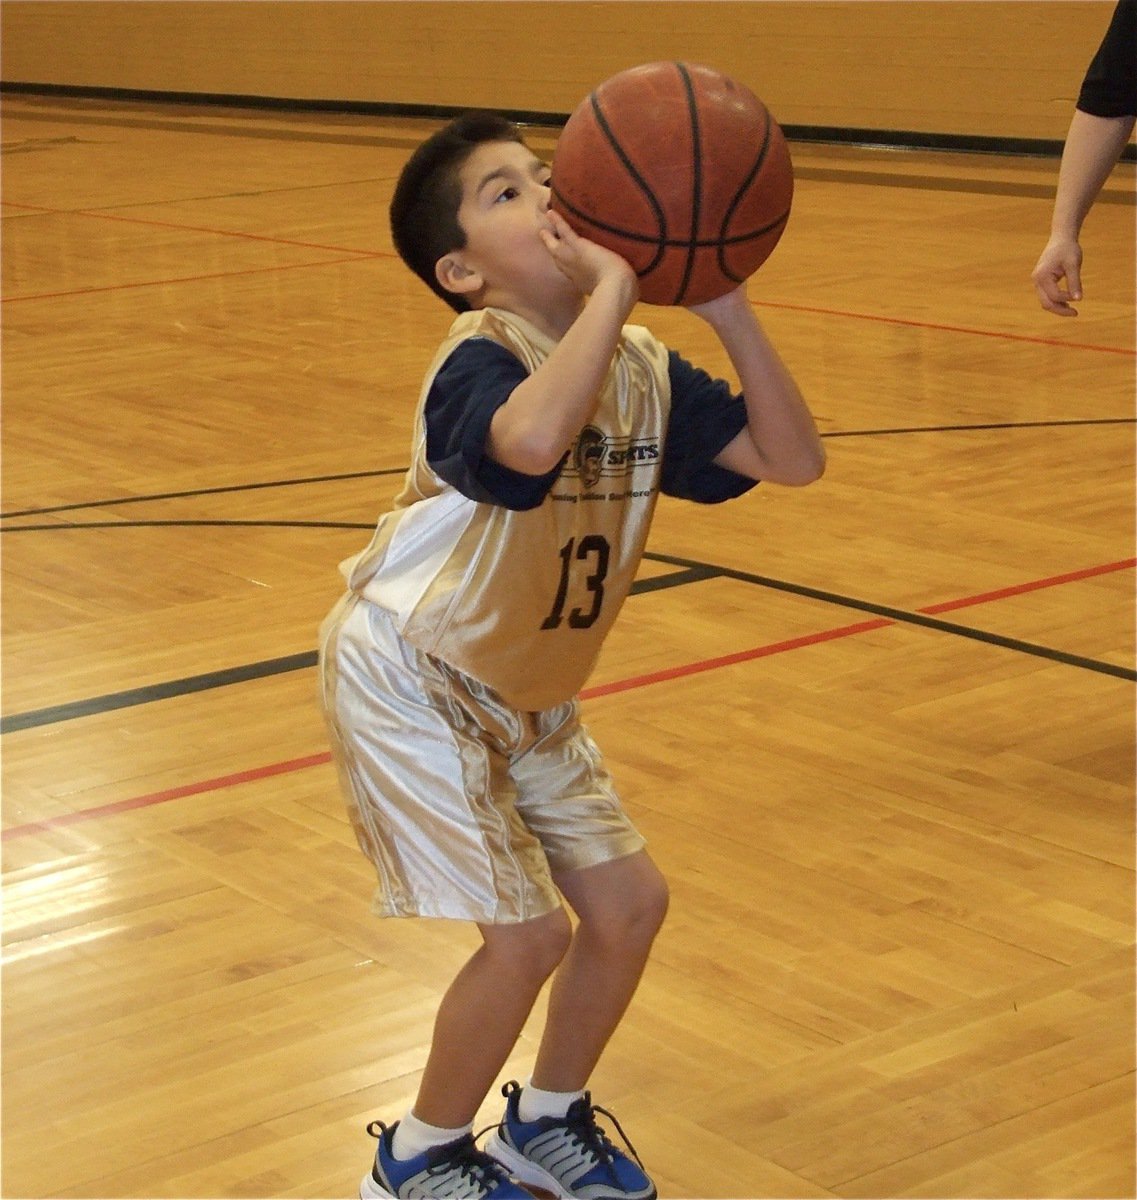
x: 683, y: 172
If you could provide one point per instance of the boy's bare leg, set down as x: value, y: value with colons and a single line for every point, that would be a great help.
x: 482, y: 1014
x: 621, y: 905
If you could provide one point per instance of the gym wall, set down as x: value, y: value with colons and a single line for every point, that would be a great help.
x: 1006, y: 69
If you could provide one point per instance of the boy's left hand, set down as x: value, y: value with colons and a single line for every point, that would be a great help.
x: 713, y: 311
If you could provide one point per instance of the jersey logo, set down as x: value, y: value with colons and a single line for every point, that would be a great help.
x: 588, y: 455
x: 595, y: 454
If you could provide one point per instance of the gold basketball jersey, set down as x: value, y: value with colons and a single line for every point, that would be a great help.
x: 522, y: 600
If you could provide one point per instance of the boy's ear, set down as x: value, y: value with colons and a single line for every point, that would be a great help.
x: 456, y: 276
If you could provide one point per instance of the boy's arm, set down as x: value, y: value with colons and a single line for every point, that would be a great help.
x: 534, y: 428
x: 780, y: 443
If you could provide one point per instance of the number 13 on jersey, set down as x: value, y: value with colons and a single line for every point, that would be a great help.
x: 584, y: 563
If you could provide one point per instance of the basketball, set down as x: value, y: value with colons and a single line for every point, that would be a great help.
x: 682, y: 171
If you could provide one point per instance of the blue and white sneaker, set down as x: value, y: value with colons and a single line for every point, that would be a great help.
x: 457, y: 1170
x: 569, y: 1156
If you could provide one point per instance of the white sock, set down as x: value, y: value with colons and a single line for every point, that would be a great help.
x: 535, y: 1103
x: 413, y: 1136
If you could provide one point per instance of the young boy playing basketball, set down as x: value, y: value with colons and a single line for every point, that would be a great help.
x: 545, y: 431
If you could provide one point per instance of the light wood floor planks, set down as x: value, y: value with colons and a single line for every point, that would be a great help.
x: 882, y: 746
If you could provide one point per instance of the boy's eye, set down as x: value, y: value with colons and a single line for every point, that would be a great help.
x: 508, y: 193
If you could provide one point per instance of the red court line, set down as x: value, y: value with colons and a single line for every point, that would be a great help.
x: 175, y: 793
x: 230, y: 233
x: 123, y: 287
x: 992, y: 333
x: 313, y: 760
x: 804, y: 308
x: 605, y: 689
x: 729, y: 660
x: 1020, y: 588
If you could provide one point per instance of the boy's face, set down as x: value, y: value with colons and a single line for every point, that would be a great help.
x: 505, y: 202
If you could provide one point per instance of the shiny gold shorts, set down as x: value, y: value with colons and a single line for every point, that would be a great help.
x: 466, y: 806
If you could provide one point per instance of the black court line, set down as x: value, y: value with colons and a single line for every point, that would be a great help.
x: 690, y: 571
x: 64, y: 526
x: 133, y: 697
x: 231, y: 108
x: 904, y: 617
x: 278, y: 483
x: 990, y: 425
x: 213, y: 491
x: 695, y: 573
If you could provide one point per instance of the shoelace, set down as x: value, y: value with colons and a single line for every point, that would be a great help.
x: 580, y: 1121
x: 462, y: 1156
x: 465, y: 1157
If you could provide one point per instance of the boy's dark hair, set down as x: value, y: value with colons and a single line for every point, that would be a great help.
x: 424, y: 208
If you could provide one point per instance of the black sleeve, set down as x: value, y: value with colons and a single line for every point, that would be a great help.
x: 705, y: 417
x: 1110, y: 86
x: 471, y: 385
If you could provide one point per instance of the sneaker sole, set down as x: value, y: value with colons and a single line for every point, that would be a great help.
x: 525, y: 1172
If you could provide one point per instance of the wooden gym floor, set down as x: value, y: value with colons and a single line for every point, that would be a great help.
x: 879, y: 732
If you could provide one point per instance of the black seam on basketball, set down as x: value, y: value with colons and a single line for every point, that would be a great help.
x: 670, y: 243
x: 742, y: 191
x: 640, y: 182
x: 696, y: 181
x: 749, y: 237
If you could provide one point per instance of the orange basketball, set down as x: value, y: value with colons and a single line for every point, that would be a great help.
x: 683, y: 172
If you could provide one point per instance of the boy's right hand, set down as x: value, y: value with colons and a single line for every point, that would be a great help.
x: 587, y: 263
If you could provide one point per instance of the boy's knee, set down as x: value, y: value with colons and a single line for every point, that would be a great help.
x: 637, y: 916
x: 649, y: 906
x: 534, y: 948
